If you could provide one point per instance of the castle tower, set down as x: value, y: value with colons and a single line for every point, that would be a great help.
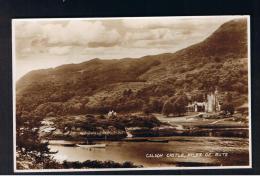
x: 213, y: 102
x: 210, y: 102
x: 217, y: 105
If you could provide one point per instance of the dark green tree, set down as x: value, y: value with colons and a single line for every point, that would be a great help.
x: 167, y: 108
x: 146, y: 109
x: 28, y: 142
x: 228, y: 107
x: 156, y: 105
x: 180, y: 104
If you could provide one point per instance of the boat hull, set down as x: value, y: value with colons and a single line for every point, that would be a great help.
x: 92, y: 146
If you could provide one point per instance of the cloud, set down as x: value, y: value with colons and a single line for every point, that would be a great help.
x: 59, y: 50
x: 79, y: 33
x: 57, y: 42
x: 57, y: 38
x: 34, y: 37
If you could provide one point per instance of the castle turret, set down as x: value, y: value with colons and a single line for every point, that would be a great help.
x: 213, y: 102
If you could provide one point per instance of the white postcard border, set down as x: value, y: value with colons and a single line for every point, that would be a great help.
x: 129, y: 169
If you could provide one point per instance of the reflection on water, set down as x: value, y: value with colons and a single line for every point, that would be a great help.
x: 181, y: 151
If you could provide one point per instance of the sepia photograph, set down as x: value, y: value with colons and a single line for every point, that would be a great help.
x: 135, y: 93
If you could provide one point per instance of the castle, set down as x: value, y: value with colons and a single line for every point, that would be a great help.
x: 211, y: 104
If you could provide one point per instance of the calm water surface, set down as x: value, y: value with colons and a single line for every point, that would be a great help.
x: 183, y: 151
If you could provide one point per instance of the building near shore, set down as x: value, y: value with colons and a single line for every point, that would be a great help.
x: 211, y: 104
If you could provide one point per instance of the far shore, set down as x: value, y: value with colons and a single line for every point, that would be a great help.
x: 192, y: 125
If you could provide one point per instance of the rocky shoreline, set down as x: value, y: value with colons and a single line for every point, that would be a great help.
x: 75, y: 129
x: 51, y: 131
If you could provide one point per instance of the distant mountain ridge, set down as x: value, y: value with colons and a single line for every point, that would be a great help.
x: 220, y: 60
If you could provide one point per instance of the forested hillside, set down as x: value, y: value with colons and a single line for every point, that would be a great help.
x: 128, y: 84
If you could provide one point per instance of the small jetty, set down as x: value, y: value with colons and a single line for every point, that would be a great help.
x: 158, y: 140
x: 53, y: 152
x: 135, y: 140
x: 91, y: 145
x: 69, y: 145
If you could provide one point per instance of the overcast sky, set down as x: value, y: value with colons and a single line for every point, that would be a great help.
x: 49, y: 43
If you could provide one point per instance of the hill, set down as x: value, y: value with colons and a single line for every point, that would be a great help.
x: 128, y: 84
